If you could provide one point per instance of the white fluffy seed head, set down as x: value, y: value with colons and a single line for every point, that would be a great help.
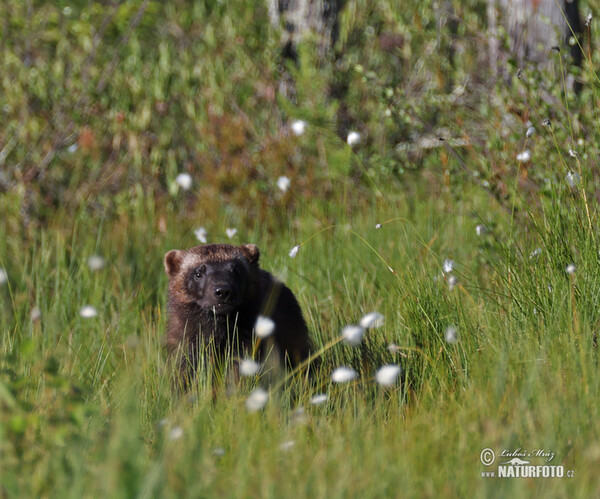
x: 572, y: 178
x: 201, y: 234
x: 257, y: 399
x: 448, y: 265
x: 450, y: 335
x: 230, y: 231
x: 452, y: 281
x: 353, y: 138
x: 294, y: 251
x: 264, y: 326
x: 283, y: 183
x: 371, y: 320
x: 3, y: 276
x: 524, y: 157
x: 88, y: 312
x: 319, y: 399
x: 96, y: 262
x: 249, y: 367
x: 387, y: 375
x: 571, y: 268
x: 343, y: 375
x: 176, y: 433
x: 298, y: 127
x: 353, y: 335
x: 184, y: 180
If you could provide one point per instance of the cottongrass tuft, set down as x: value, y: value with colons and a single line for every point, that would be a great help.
x: 378, y: 226
x: 257, y: 399
x: 3, y: 276
x: 298, y: 127
x: 343, y: 375
x: 450, y: 335
x: 570, y: 269
x: 371, y: 320
x: 184, y: 180
x: 387, y: 375
x: 573, y: 153
x: 319, y: 399
x: 287, y: 445
x: 36, y: 314
x: 230, y: 231
x: 283, y: 183
x: 264, y: 326
x: 448, y: 265
x: 176, y: 433
x: 530, y: 131
x: 218, y: 451
x: 452, y: 281
x: 88, y: 312
x: 524, y: 157
x: 353, y: 335
x: 536, y: 252
x: 96, y: 262
x: 480, y: 230
x: 294, y: 251
x: 249, y: 367
x: 353, y: 139
x: 201, y: 234
x: 572, y: 178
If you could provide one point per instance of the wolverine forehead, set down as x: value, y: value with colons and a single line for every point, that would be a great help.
x: 210, y: 253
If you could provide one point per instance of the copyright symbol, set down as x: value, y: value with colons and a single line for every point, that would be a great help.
x: 487, y: 456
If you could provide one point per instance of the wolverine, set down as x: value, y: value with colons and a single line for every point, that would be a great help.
x: 216, y: 293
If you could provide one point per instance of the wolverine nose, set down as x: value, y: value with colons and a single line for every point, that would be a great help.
x: 222, y: 292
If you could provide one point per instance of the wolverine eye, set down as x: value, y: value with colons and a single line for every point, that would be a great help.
x: 200, y: 272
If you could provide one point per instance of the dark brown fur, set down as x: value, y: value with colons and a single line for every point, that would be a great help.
x: 216, y: 293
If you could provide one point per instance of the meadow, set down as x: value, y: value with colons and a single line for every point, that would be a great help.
x: 466, y: 216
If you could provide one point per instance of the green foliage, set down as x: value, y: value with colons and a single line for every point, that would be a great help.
x: 104, y: 104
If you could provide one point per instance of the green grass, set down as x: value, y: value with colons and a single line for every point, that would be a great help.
x: 86, y: 404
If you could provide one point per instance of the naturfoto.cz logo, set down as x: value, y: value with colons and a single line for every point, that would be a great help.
x: 518, y: 464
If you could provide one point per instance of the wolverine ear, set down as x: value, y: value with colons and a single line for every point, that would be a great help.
x: 173, y: 262
x: 251, y: 253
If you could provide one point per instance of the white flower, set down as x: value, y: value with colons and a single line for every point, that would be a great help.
x: 283, y: 183
x: 448, y: 266
x: 343, y: 375
x: 298, y: 127
x: 530, y: 131
x: 318, y: 399
x: 353, y: 139
x: 264, y: 326
x: 249, y: 367
x: 294, y: 251
x: 230, y: 232
x: 373, y: 319
x: 386, y: 375
x: 450, y: 334
x: 353, y: 334
x: 572, y: 178
x: 96, y: 262
x: 184, y: 180
x: 524, y: 156
x: 286, y: 446
x: 480, y: 230
x: 257, y: 399
x: 88, y: 312
x: 201, y: 234
x: 176, y: 433
x: 452, y: 281
x: 3, y: 276
x: 570, y: 268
